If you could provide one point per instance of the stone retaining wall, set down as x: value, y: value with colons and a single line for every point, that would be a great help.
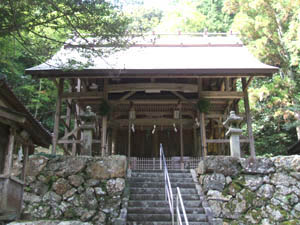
x: 244, y: 191
x: 75, y: 188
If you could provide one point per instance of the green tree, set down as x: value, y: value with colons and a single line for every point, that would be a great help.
x: 270, y: 29
x: 31, y: 31
x: 197, y: 16
x: 41, y: 27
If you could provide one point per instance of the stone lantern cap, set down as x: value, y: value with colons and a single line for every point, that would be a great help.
x: 232, y: 120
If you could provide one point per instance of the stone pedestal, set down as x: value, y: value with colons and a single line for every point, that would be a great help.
x: 88, y: 128
x: 235, y: 149
x: 87, y: 139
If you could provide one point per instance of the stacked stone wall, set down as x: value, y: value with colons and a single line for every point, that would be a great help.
x: 86, y: 189
x: 245, y: 191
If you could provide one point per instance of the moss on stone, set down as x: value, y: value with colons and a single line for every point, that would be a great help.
x: 290, y: 222
x: 249, y: 196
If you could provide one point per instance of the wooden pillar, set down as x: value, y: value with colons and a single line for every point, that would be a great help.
x: 104, y: 122
x: 129, y: 140
x: 195, y: 137
x: 103, y: 136
x: 203, y: 134
x: 25, y: 159
x: 201, y: 117
x: 221, y: 137
x: 181, y: 145
x: 248, y: 117
x: 76, y: 119
x: 68, y: 117
x: 57, y: 116
x: 9, y: 155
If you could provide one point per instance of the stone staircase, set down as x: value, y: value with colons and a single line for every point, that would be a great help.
x: 147, y: 204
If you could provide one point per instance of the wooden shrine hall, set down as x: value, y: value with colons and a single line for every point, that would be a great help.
x: 171, y: 89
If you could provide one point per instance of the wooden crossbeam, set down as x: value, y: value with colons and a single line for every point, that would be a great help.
x: 216, y: 141
x: 83, y: 95
x: 153, y: 121
x: 124, y: 97
x: 8, y: 114
x: 153, y: 86
x: 77, y: 141
x: 203, y: 94
x: 180, y: 96
x: 245, y: 87
x: 70, y: 133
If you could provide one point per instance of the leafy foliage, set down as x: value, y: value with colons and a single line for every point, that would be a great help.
x: 41, y: 27
x: 31, y: 31
x: 270, y: 28
x: 203, y: 105
x: 197, y: 16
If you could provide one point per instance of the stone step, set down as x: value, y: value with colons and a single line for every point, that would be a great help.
x: 164, y: 217
x: 161, y: 197
x: 160, y: 179
x: 163, y: 223
x: 160, y: 185
x: 162, y: 203
x: 140, y: 190
x: 162, y: 210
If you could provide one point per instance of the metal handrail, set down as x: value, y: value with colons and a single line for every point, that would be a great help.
x: 178, y: 216
x: 168, y: 187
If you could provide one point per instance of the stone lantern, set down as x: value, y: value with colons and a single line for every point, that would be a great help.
x: 232, y: 123
x: 88, y: 128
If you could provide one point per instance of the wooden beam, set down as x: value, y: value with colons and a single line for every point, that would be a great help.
x: 10, y: 115
x: 180, y: 96
x: 152, y: 121
x: 152, y: 86
x: 83, y: 95
x: 124, y: 97
x: 77, y: 141
x: 245, y: 87
x: 151, y: 101
x: 220, y: 141
x: 248, y: 117
x: 57, y: 116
